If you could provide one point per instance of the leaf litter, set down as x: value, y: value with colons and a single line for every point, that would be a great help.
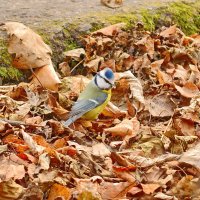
x: 145, y: 144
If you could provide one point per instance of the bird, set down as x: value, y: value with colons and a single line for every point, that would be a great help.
x: 94, y: 98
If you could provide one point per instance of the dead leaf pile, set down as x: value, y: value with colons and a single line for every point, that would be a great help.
x: 145, y: 144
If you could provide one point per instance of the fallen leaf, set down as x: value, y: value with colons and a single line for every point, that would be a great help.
x: 109, y: 190
x: 150, y: 145
x: 76, y: 54
x: 189, y: 90
x: 187, y: 187
x: 46, y: 77
x: 10, y: 190
x: 127, y: 83
x: 44, y: 161
x: 161, y: 106
x: 110, y: 30
x: 33, y: 191
x: 169, y: 31
x: 163, y: 196
x: 126, y: 127
x: 32, y: 144
x: 28, y: 48
x: 113, y: 111
x: 93, y: 64
x: 150, y: 188
x: 191, y: 157
x: 59, y: 191
x: 100, y: 149
x: 10, y: 170
x: 3, y: 148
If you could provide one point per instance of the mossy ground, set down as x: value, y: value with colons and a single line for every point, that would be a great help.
x: 62, y: 37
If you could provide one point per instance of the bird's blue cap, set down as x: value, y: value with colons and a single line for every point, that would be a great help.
x: 109, y: 74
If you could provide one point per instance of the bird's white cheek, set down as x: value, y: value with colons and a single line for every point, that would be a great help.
x: 102, y: 83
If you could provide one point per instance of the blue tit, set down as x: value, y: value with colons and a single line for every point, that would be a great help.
x: 94, y: 98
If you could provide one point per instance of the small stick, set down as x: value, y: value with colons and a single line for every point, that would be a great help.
x: 18, y: 123
x: 76, y: 66
x: 36, y: 77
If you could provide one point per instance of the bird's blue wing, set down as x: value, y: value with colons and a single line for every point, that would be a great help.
x: 83, y: 106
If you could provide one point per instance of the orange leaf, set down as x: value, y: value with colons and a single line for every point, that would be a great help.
x: 58, y: 191
x: 124, y: 169
x: 59, y: 143
x: 110, y: 30
x: 126, y: 127
x: 189, y: 90
x: 42, y: 142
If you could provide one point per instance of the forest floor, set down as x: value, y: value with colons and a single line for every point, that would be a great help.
x: 34, y: 12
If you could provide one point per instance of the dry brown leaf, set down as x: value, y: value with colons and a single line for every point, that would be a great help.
x: 33, y: 191
x: 127, y: 83
x: 186, y: 127
x: 108, y: 63
x: 151, y: 146
x: 169, y: 31
x: 44, y: 161
x: 3, y: 148
x: 187, y: 187
x: 148, y: 162
x: 10, y: 190
x: 110, y: 30
x: 10, y: 170
x: 150, y: 187
x: 181, y: 73
x: 161, y: 106
x: 126, y: 127
x: 188, y: 90
x: 146, y: 44
x: 47, y: 77
x: 28, y: 48
x: 76, y: 54
x: 87, y: 189
x: 163, y: 196
x: 59, y: 191
x: 192, y: 157
x: 163, y: 77
x: 32, y: 144
x: 65, y: 69
x: 58, y: 110
x: 100, y: 149
x: 93, y: 65
x: 109, y: 190
x: 113, y: 111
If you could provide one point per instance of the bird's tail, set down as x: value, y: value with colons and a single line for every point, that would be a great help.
x: 71, y: 120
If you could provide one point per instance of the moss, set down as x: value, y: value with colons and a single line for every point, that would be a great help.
x: 6, y: 71
x: 129, y: 19
x: 5, y: 59
x: 149, y: 19
x: 10, y: 73
x: 186, y: 16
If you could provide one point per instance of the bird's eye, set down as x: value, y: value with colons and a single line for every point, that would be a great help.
x: 109, y: 74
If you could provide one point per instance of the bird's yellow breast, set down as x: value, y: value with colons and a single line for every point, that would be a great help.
x: 93, y: 114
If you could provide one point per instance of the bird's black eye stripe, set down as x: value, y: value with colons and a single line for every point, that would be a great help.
x: 103, y: 79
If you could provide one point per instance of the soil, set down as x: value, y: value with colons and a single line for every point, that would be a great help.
x: 36, y: 11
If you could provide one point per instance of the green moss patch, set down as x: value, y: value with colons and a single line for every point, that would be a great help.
x: 185, y: 15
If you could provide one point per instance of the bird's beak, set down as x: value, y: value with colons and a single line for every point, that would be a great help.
x: 113, y: 85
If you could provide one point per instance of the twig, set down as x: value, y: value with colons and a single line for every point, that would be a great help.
x: 76, y: 66
x: 18, y: 123
x: 36, y: 76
